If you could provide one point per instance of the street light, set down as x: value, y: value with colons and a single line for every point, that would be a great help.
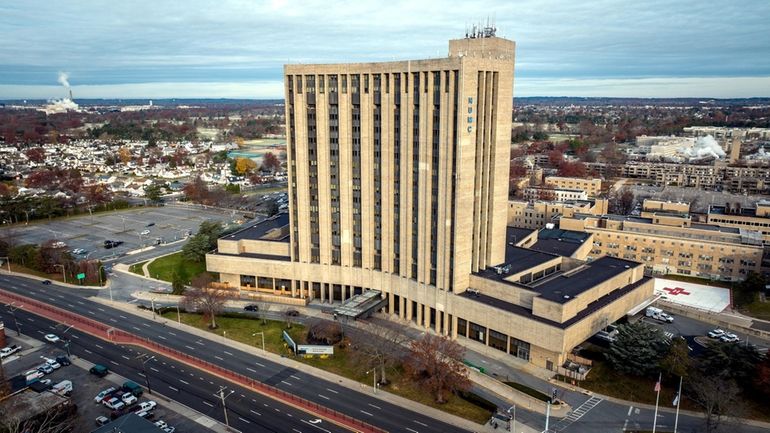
x: 66, y: 341
x: 263, y: 338
x: 99, y: 271
x: 374, y: 379
x: 512, y: 426
x: 63, y: 275
x: 221, y: 394
x: 143, y: 358
x: 178, y: 314
x: 12, y: 307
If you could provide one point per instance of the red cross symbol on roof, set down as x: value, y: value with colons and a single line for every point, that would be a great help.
x: 676, y: 291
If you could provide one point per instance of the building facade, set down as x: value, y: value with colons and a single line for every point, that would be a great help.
x: 592, y: 187
x: 535, y: 214
x: 398, y: 182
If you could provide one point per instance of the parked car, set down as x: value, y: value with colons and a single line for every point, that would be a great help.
x: 46, y: 282
x: 146, y: 405
x: 114, y: 403
x: 133, y: 387
x: 169, y: 429
x: 63, y: 360
x: 99, y: 370
x: 251, y: 307
x: 104, y: 393
x: 729, y: 337
x: 63, y: 388
x: 52, y: 338
x: 52, y: 362
x: 160, y: 423
x: 32, y: 376
x: 45, y: 369
x: 8, y: 351
x: 144, y: 232
x: 146, y: 414
x: 292, y: 313
x: 716, y: 333
x: 102, y: 420
x: 128, y: 398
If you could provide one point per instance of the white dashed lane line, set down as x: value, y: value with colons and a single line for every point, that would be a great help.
x: 255, y: 412
x: 374, y: 406
x: 261, y: 365
x: 418, y: 422
x: 122, y: 316
x: 100, y: 347
x: 365, y: 412
x: 331, y: 390
x: 155, y: 369
x: 244, y: 420
x: 323, y: 396
x: 219, y: 358
x: 189, y: 347
x: 251, y: 369
x: 227, y: 353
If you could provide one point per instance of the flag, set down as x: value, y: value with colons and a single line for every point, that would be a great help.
x: 657, y: 386
x: 676, y: 400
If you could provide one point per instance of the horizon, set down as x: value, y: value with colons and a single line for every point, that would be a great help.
x: 155, y: 50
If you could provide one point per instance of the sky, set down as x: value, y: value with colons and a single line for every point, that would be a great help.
x: 237, y: 48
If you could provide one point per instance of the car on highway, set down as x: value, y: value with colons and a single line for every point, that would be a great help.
x: 46, y: 282
x: 114, y: 403
x: 52, y: 338
x: 716, y: 333
x: 144, y: 232
x: 729, y: 337
x: 104, y: 393
x: 251, y: 307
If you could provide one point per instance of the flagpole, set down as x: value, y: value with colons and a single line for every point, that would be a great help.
x: 657, y: 400
x: 678, y: 400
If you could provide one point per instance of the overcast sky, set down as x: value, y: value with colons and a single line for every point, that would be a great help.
x: 236, y: 49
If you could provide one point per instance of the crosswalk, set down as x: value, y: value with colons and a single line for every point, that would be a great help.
x: 575, y: 414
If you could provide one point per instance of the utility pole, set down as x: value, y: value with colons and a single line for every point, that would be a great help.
x: 263, y: 338
x: 12, y: 307
x: 221, y: 394
x: 143, y: 358
x: 63, y: 275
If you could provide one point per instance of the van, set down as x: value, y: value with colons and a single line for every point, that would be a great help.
x: 99, y: 370
x: 63, y: 388
x: 133, y: 388
x: 658, y: 314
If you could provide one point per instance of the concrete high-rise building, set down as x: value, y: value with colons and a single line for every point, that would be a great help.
x: 398, y: 192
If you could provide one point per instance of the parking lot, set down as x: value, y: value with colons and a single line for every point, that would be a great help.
x: 86, y: 386
x: 134, y: 227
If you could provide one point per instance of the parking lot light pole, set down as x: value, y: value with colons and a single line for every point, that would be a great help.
x: 12, y: 307
x: 143, y: 358
x: 221, y: 394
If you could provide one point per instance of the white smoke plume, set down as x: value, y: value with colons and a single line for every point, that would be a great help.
x: 704, y: 147
x: 64, y: 79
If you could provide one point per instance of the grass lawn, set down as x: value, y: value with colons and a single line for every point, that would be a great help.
x: 163, y: 268
x: 529, y: 391
x: 243, y: 329
x: 136, y: 268
x: 53, y: 277
x: 758, y: 309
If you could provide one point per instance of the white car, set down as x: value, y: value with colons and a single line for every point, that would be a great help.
x: 144, y: 232
x: 146, y: 405
x: 114, y: 403
x: 729, y: 338
x: 52, y: 362
x: 52, y: 338
x: 99, y: 397
x: 716, y: 333
x: 161, y: 423
x: 128, y: 398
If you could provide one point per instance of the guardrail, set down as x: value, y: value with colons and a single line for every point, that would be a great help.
x: 119, y: 336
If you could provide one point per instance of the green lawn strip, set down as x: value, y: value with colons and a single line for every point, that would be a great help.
x: 163, y: 268
x: 341, y: 363
x: 760, y: 310
x: 136, y: 268
x: 53, y: 277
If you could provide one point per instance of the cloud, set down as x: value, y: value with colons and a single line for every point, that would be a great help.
x: 240, y: 41
x: 64, y: 79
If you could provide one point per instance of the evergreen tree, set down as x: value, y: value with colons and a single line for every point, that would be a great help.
x: 637, y: 349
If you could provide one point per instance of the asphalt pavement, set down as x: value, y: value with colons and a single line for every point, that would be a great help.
x: 329, y: 394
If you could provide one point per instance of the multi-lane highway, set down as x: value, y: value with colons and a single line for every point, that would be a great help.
x: 329, y: 394
x: 247, y: 410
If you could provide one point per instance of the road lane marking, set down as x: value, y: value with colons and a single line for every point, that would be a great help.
x: 418, y: 422
x: 319, y: 428
x: 287, y: 383
x: 255, y: 412
x: 365, y: 412
x: 217, y: 357
x: 70, y: 305
x: 100, y: 347
x: 630, y: 408
x: 113, y: 320
x: 114, y: 362
x: 122, y: 316
x: 101, y: 309
x: 91, y: 312
x: 251, y: 369
x: 244, y: 420
x: 177, y: 390
x: 323, y: 396
x: 80, y: 302
x: 261, y: 365
x: 146, y: 325
x: 125, y: 357
x: 331, y: 390
x: 184, y: 382
x: 189, y: 347
x: 141, y: 374
x: 155, y: 369
x: 88, y: 351
x: 30, y: 319
x: 289, y: 415
x: 227, y: 352
x: 161, y: 337
x: 136, y: 328
x: 413, y: 431
x: 198, y: 342
x: 374, y: 406
x: 295, y: 377
x: 172, y: 333
x: 74, y: 336
x: 52, y: 299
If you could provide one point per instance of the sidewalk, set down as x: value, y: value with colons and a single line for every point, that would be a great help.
x: 58, y: 283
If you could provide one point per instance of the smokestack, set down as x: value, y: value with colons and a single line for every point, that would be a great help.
x: 735, y: 150
x: 71, y: 95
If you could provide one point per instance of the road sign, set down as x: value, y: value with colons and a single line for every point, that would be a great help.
x: 81, y: 276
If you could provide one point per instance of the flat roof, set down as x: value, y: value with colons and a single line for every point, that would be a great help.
x: 560, y: 242
x: 527, y: 313
x: 562, y: 287
x: 259, y: 230
x: 516, y: 234
x: 517, y: 259
x: 129, y: 423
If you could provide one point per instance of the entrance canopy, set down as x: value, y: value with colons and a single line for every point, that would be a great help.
x: 362, y: 305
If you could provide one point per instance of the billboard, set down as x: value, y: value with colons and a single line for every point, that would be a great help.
x: 309, y: 349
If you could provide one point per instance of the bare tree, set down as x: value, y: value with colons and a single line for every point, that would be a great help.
x: 718, y: 397
x: 437, y: 364
x: 621, y: 202
x: 209, y: 301
x: 324, y: 332
x: 15, y: 419
x: 380, y: 347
